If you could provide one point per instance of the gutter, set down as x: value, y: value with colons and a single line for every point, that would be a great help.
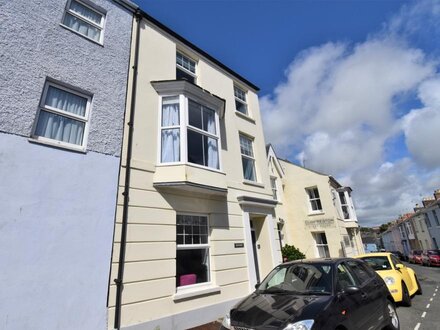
x: 119, y: 280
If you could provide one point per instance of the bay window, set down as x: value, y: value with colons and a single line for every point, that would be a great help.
x: 189, y: 132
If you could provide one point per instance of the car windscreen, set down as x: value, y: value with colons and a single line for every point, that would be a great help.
x: 378, y: 263
x: 434, y: 252
x: 299, y: 278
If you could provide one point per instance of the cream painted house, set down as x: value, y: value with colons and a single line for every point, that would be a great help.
x: 195, y: 222
x: 315, y: 213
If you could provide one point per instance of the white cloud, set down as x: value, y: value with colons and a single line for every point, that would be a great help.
x: 337, y: 109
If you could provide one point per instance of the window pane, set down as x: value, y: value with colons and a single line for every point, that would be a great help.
x: 241, y: 107
x: 246, y: 146
x: 240, y: 94
x: 170, y: 145
x: 182, y: 75
x: 69, y: 102
x: 195, y: 114
x: 85, y: 12
x: 209, y: 120
x: 342, y: 198
x: 82, y: 27
x: 60, y: 128
x: 248, y: 169
x: 170, y: 111
x: 195, y: 148
x: 186, y: 62
x: 192, y: 266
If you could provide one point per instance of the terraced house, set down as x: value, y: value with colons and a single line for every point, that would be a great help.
x: 195, y: 226
x: 61, y: 125
x: 315, y: 213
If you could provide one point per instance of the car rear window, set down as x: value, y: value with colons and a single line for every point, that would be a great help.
x: 378, y: 263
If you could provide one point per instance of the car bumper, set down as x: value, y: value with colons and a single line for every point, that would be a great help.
x: 434, y: 262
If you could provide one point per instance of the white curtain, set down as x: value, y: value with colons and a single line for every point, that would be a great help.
x: 171, y: 136
x: 85, y: 12
x: 209, y: 119
x: 248, y: 169
x: 58, y: 127
x: 82, y: 27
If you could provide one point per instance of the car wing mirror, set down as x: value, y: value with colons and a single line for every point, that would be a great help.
x: 399, y: 266
x: 350, y: 290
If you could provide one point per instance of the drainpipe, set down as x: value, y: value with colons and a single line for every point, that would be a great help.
x: 119, y: 280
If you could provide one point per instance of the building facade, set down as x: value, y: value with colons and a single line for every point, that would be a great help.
x: 195, y: 223
x: 318, y: 213
x: 61, y: 126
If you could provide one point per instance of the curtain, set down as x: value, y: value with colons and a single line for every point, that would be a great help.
x: 86, y: 12
x: 212, y: 144
x: 59, y: 127
x: 248, y: 169
x: 170, y: 137
x: 82, y: 27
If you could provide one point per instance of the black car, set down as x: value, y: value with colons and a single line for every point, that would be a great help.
x: 316, y: 294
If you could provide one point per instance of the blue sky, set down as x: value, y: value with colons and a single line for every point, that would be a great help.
x: 350, y: 87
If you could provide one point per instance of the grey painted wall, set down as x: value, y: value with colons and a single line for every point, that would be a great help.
x: 56, y: 230
x: 33, y: 46
x: 434, y: 230
x: 57, y: 206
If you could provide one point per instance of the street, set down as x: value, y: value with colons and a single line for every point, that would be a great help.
x: 425, y: 310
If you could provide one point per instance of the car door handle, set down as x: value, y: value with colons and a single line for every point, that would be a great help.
x: 364, y: 295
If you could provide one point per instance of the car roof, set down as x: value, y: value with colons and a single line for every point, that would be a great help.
x: 374, y: 254
x: 331, y: 261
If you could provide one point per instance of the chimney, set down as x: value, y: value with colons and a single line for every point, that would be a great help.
x: 417, y: 208
x: 437, y: 194
x: 428, y: 201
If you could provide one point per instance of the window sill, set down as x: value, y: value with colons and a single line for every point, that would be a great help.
x: 242, y: 115
x: 82, y: 35
x: 195, y: 291
x: 59, y: 145
x: 253, y: 183
x: 316, y: 213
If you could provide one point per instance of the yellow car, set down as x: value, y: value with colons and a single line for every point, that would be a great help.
x: 401, y: 281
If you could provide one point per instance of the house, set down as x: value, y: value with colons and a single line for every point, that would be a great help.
x: 195, y: 222
x: 391, y: 238
x: 316, y: 214
x: 432, y: 216
x: 61, y: 125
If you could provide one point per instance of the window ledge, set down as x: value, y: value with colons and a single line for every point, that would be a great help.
x: 242, y: 115
x: 192, y: 292
x: 59, y: 145
x: 253, y: 183
x: 82, y: 35
x: 316, y: 213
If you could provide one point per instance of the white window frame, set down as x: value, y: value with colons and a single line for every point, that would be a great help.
x: 323, y: 245
x: 189, y: 72
x: 184, y: 127
x: 206, y: 246
x: 44, y: 107
x: 310, y: 199
x: 346, y: 204
x: 100, y: 27
x: 274, y: 186
x: 250, y: 157
x: 241, y: 100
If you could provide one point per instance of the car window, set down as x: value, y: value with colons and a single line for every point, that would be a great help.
x: 395, y: 261
x: 344, y: 278
x: 377, y: 263
x: 361, y: 273
x: 299, y: 278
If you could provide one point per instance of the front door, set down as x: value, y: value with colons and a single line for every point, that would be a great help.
x: 255, y: 250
